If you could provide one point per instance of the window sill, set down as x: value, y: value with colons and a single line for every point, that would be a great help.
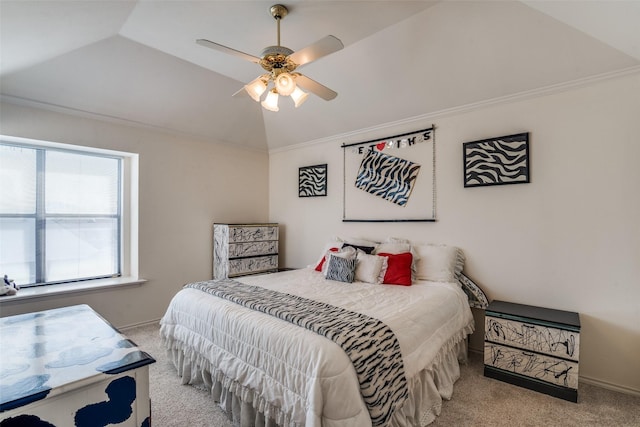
x: 68, y: 288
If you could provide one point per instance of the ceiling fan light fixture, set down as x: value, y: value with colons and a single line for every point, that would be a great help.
x: 271, y: 101
x: 280, y: 64
x: 299, y: 96
x: 285, y: 84
x: 256, y: 88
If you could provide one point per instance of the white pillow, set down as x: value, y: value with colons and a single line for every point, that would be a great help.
x: 331, y: 244
x: 391, y: 239
x: 392, y: 248
x: 368, y: 267
x: 439, y: 263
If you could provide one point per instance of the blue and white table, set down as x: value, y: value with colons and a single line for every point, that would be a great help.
x: 69, y: 367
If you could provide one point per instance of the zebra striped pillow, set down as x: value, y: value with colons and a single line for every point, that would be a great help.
x: 341, y: 269
x: 320, y: 264
x: 348, y: 253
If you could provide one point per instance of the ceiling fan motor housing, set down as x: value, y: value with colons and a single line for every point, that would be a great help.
x: 276, y: 59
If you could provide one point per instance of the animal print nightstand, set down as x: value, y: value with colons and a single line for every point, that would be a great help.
x: 533, y: 347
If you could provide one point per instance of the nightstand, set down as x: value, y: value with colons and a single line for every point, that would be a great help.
x: 533, y: 347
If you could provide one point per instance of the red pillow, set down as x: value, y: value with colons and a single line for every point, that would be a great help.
x: 324, y: 258
x: 398, y: 269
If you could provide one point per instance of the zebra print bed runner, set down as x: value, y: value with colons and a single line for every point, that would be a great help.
x: 369, y: 343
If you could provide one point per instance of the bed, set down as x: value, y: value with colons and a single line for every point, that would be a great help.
x: 307, y: 348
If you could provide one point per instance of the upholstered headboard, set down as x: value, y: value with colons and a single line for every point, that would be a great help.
x: 477, y: 297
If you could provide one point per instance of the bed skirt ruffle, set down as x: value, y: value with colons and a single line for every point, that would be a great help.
x: 246, y: 407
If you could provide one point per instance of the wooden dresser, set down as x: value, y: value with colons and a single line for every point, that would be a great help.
x: 533, y: 347
x: 242, y: 249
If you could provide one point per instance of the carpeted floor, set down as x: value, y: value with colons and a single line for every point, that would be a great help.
x: 477, y: 401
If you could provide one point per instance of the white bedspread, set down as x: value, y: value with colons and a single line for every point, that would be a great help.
x: 299, y: 378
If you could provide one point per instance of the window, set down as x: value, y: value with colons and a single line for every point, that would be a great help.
x: 61, y: 213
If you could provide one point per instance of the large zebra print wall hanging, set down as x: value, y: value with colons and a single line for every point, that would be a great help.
x: 312, y: 181
x: 387, y: 176
x: 390, y: 179
x: 495, y: 161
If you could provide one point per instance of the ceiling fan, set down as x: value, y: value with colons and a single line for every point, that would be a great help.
x: 280, y: 64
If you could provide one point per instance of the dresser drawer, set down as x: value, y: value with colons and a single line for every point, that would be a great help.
x: 541, y: 367
x: 252, y: 233
x: 258, y: 264
x: 532, y: 337
x: 267, y: 247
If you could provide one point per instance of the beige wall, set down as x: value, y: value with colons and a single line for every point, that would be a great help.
x: 568, y: 240
x: 185, y: 185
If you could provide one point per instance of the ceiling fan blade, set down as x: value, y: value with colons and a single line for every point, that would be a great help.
x: 322, y: 47
x: 241, y: 92
x: 315, y: 87
x: 225, y: 49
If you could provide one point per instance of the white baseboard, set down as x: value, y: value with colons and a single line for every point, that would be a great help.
x: 609, y: 386
x: 136, y: 325
x: 479, y: 351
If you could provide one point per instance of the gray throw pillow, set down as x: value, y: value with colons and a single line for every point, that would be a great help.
x: 341, y: 269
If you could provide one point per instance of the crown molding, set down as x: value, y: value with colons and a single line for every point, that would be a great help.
x: 430, y: 117
x: 30, y: 103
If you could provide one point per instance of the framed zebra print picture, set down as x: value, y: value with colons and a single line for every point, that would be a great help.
x: 497, y: 161
x: 312, y: 181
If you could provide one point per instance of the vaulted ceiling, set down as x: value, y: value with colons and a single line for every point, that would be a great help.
x: 137, y: 61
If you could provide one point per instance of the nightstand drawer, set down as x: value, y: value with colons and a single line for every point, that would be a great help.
x: 549, y: 369
x: 238, y: 267
x: 549, y: 340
